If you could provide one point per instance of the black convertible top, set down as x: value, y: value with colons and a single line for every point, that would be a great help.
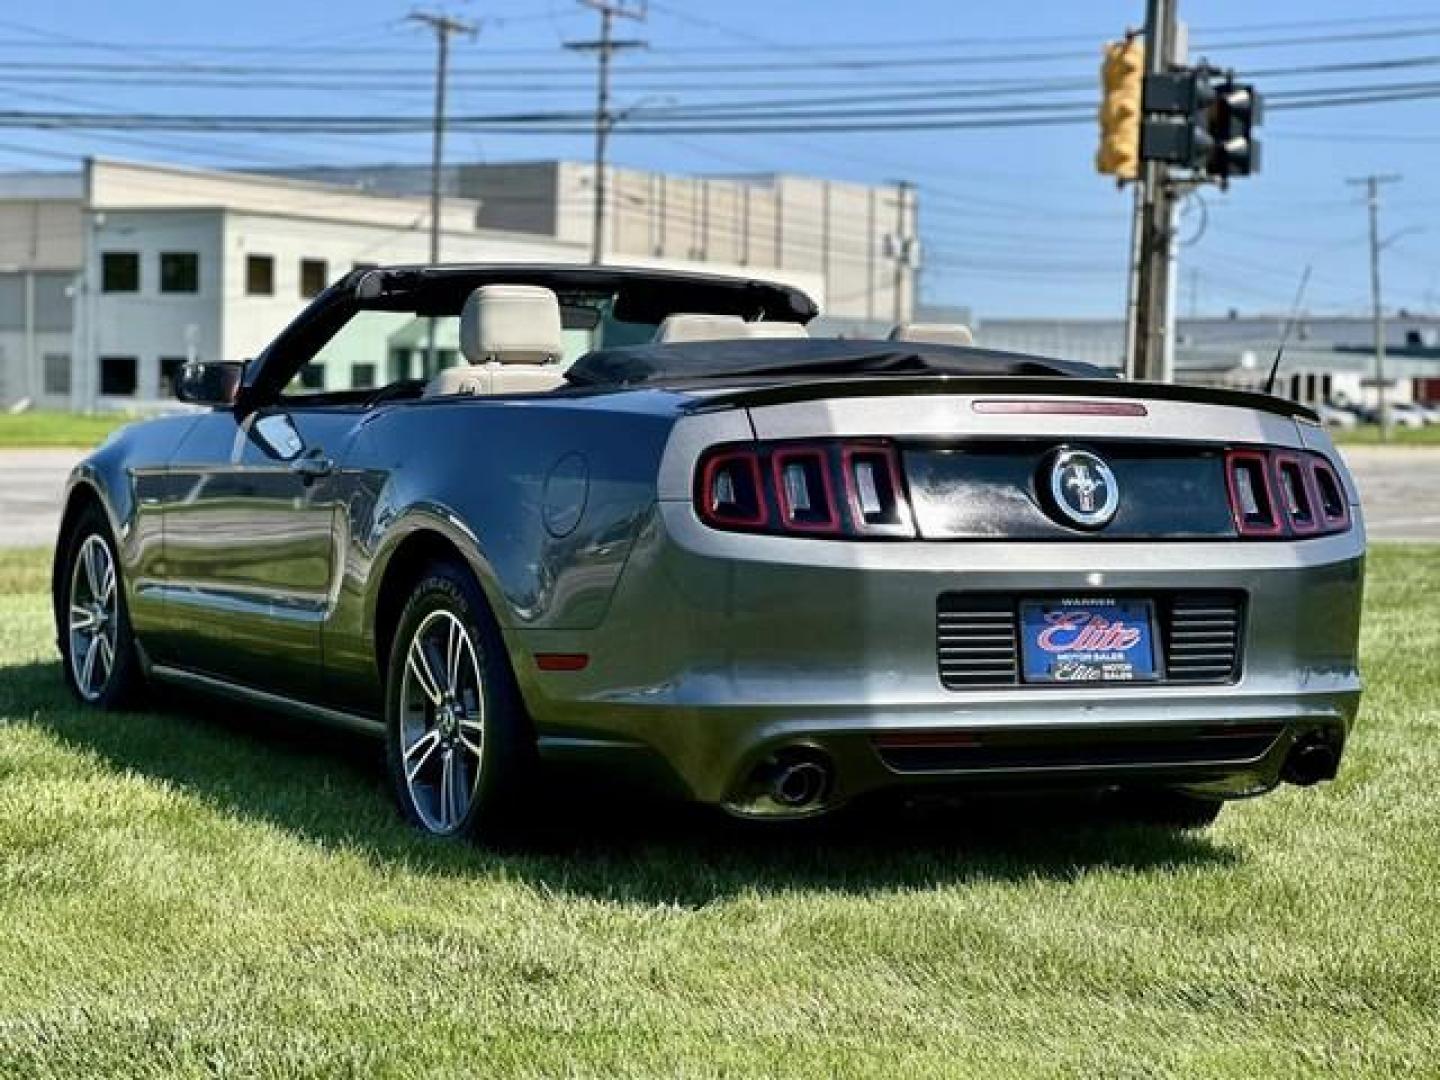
x: 799, y: 358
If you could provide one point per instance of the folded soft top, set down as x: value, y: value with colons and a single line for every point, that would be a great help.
x: 802, y: 358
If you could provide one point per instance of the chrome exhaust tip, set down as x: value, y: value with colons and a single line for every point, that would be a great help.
x: 793, y: 781
x: 799, y: 785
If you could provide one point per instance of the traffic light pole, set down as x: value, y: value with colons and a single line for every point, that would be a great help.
x: 1150, y: 349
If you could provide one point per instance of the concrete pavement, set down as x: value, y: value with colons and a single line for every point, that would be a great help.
x: 1400, y: 487
x: 1399, y: 490
x: 32, y: 483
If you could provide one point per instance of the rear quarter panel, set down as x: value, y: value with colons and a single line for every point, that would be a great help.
x: 542, y: 496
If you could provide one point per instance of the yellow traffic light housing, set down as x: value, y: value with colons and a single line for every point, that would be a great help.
x: 1122, y: 78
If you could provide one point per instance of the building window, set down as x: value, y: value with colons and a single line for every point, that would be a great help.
x: 119, y: 271
x: 260, y: 275
x: 169, y: 374
x: 179, y: 272
x: 362, y: 376
x: 117, y: 376
x: 57, y: 374
x: 312, y: 377
x: 313, y: 275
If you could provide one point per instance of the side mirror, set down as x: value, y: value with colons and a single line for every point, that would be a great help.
x: 209, y: 382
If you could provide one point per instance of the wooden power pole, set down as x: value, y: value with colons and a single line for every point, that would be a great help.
x: 1377, y: 312
x: 442, y: 26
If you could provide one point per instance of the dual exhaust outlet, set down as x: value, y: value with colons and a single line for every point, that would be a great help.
x: 798, y: 779
x: 793, y: 780
x: 1311, y: 760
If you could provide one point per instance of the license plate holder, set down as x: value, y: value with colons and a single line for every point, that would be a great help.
x: 1088, y: 640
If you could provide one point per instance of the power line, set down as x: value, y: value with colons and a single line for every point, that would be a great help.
x: 679, y: 120
x: 811, y: 62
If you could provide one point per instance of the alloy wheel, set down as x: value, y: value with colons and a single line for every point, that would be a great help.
x: 442, y: 721
x: 94, y: 617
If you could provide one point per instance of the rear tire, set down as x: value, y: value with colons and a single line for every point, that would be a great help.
x: 1168, y: 809
x: 97, y: 646
x: 459, y: 747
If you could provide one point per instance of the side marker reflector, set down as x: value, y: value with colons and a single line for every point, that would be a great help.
x: 562, y: 661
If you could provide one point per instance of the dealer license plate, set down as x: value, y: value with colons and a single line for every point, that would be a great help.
x: 1084, y: 639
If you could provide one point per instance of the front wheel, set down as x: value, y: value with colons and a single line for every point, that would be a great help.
x: 96, y: 643
x: 458, y: 743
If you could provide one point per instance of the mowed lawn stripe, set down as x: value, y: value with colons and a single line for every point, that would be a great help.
x: 198, y: 891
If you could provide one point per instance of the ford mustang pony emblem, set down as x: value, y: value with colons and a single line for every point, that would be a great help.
x: 1083, y: 489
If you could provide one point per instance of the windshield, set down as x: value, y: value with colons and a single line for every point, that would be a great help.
x: 386, y: 350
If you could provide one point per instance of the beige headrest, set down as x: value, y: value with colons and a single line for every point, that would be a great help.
x: 511, y: 324
x: 776, y: 330
x: 688, y: 327
x: 934, y: 333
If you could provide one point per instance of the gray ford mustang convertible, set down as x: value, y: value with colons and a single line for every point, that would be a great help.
x: 515, y: 517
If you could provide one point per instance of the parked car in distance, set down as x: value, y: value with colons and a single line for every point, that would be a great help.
x: 1401, y: 415
x: 1406, y: 414
x: 1334, y: 416
x: 1430, y: 410
x: 719, y: 559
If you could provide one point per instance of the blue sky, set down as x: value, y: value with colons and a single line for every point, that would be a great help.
x: 1014, y: 221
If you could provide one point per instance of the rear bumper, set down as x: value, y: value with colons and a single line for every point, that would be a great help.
x: 721, y: 650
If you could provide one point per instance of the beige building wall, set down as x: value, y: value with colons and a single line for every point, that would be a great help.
x: 858, y: 240
x: 40, y: 234
x: 125, y: 185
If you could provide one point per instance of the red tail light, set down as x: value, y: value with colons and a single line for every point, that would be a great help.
x: 1284, y: 493
x: 874, y: 490
x: 802, y: 489
x: 1333, y: 507
x: 811, y: 488
x: 732, y: 493
x: 1296, y: 494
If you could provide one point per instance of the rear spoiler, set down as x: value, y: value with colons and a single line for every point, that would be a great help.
x: 711, y: 394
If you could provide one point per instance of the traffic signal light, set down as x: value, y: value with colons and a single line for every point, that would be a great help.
x: 1121, y: 78
x: 1177, y: 118
x: 1235, y: 112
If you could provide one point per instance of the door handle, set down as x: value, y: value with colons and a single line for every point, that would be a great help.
x: 313, y: 466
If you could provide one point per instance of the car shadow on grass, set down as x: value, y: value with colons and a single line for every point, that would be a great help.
x: 328, y: 788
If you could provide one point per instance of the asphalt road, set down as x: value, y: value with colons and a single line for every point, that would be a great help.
x: 1400, y: 488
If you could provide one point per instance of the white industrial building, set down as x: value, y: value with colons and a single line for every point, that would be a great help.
x: 113, y: 277
x: 859, y: 241
x: 1327, y: 358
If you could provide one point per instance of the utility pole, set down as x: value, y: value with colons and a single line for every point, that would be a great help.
x: 1151, y: 327
x: 604, y: 47
x: 903, y: 246
x: 443, y: 26
x: 1372, y: 199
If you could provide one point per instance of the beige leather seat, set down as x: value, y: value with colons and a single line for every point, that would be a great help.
x: 512, y: 342
x: 933, y: 333
x: 699, y: 327
x: 776, y: 330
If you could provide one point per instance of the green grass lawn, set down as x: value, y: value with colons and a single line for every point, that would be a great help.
x: 198, y: 893
x: 1369, y: 435
x: 33, y: 429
